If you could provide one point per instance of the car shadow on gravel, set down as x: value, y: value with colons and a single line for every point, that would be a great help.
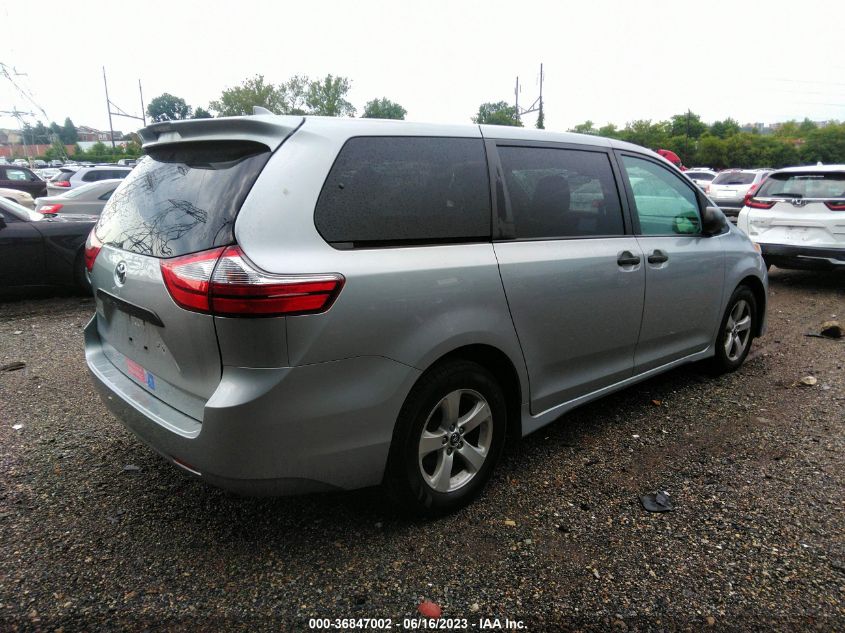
x: 813, y: 280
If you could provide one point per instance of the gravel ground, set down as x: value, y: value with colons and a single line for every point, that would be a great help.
x: 753, y: 461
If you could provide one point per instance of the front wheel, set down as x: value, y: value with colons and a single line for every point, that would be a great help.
x: 448, y: 436
x: 736, y: 331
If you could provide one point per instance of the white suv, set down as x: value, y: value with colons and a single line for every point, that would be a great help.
x: 798, y: 217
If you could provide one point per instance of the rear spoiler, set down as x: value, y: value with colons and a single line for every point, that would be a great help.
x: 269, y: 130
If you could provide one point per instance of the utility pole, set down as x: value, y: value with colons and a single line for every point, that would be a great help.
x: 108, y: 107
x: 541, y: 123
x: 536, y: 106
x: 143, y: 111
x: 516, y: 97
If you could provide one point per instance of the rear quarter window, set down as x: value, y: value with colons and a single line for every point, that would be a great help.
x: 405, y: 190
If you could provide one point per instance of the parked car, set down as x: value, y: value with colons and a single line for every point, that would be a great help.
x: 128, y: 162
x: 39, y: 164
x: 287, y: 304
x: 38, y: 250
x: 22, y: 179
x: 728, y: 189
x: 85, y: 200
x: 56, y: 163
x: 20, y: 197
x: 701, y: 176
x: 46, y: 173
x: 83, y: 175
x: 20, y: 162
x: 798, y: 217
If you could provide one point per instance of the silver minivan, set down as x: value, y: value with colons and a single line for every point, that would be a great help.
x: 289, y: 304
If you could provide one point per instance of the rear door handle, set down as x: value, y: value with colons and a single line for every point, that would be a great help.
x: 627, y: 258
x: 658, y: 257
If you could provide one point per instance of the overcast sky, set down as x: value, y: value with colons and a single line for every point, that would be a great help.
x: 604, y: 61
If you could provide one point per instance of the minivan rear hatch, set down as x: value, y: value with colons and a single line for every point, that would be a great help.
x: 182, y: 198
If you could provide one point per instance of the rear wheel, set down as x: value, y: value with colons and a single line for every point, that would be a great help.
x: 736, y: 331
x: 448, y: 436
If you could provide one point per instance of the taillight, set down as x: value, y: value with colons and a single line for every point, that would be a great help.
x: 51, y: 208
x: 224, y: 283
x: 61, y: 183
x: 92, y: 249
x: 836, y: 205
x: 754, y: 203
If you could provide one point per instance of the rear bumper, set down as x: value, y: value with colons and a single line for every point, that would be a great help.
x: 804, y: 257
x: 272, y: 431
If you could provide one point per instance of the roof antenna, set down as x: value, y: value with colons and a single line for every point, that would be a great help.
x: 259, y: 110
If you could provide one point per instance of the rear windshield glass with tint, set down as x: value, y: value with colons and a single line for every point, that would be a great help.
x: 735, y: 178
x: 81, y: 191
x: 804, y: 185
x: 182, y: 198
x: 405, y: 190
x: 700, y: 175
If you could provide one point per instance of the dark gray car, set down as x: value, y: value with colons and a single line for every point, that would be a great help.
x: 288, y: 304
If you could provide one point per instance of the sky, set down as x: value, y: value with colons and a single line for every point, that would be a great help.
x: 603, y: 61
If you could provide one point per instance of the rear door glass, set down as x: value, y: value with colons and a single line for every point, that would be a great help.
x: 182, y: 198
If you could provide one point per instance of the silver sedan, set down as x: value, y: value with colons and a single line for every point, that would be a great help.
x: 85, y: 200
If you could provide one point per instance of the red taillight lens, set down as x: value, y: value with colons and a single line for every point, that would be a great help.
x: 61, y: 183
x: 223, y: 282
x: 50, y: 208
x: 92, y: 249
x: 188, y: 278
x: 836, y: 205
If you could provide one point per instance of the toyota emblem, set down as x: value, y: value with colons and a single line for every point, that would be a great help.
x: 120, y: 273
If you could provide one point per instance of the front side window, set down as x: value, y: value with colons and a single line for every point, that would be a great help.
x: 665, y: 204
x: 388, y: 190
x: 558, y: 193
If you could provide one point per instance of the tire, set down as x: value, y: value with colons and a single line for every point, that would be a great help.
x: 448, y: 394
x: 79, y: 274
x: 736, y: 331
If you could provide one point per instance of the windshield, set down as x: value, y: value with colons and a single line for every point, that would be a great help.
x: 700, y: 175
x: 804, y: 185
x: 735, y: 178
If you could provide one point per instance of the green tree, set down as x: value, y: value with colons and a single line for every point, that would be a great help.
x: 644, y: 132
x: 69, y: 135
x: 585, y: 128
x: 683, y: 146
x: 806, y: 127
x: 167, y: 107
x: 499, y: 113
x: 687, y: 124
x: 541, y: 118
x: 383, y: 109
x: 293, y: 95
x: 712, y: 152
x: 240, y: 100
x: 825, y: 144
x: 201, y: 113
x: 788, y: 129
x: 327, y: 97
x: 609, y: 130
x: 724, y: 129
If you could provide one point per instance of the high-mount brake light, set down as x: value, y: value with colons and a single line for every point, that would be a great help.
x: 224, y: 283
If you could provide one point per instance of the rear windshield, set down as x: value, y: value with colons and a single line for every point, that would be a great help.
x: 700, y: 175
x: 735, y: 178
x: 182, y: 198
x: 804, y: 185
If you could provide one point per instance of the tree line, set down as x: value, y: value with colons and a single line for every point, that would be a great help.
x: 717, y: 145
x: 298, y: 95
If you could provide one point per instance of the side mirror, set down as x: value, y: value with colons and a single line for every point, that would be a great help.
x: 713, y: 221
x: 2, y: 221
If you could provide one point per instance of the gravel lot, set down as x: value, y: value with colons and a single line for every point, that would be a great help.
x: 753, y: 461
